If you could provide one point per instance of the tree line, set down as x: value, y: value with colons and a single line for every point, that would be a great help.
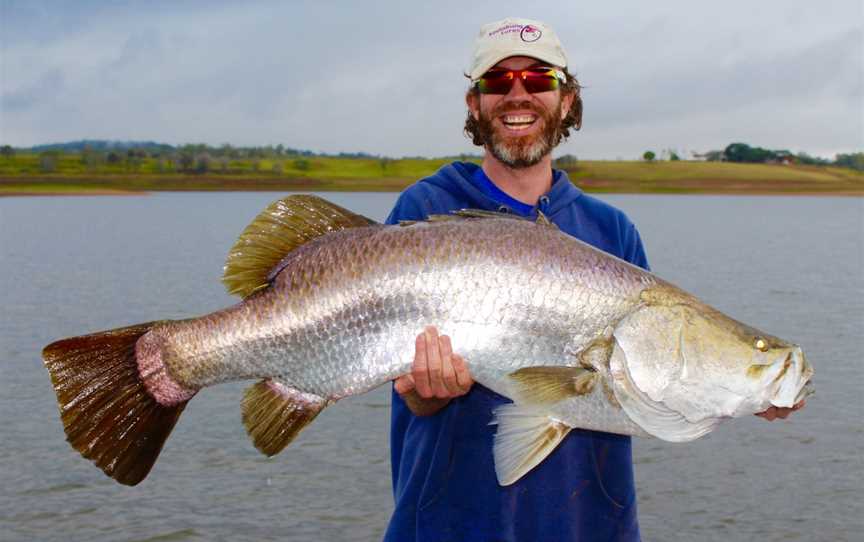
x: 203, y: 158
x: 189, y: 158
x: 744, y: 153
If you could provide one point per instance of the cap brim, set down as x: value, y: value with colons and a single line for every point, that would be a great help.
x: 483, y: 67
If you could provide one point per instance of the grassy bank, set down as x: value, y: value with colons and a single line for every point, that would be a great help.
x: 68, y: 174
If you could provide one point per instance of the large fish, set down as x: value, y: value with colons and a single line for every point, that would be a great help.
x: 332, y: 303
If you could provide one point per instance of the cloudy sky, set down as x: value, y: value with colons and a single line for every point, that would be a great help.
x: 386, y: 77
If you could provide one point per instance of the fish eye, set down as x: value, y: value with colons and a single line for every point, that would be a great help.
x: 761, y: 345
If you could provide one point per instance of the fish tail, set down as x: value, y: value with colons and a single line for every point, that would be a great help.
x: 107, y: 406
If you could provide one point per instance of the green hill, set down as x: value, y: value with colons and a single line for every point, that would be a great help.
x: 66, y: 173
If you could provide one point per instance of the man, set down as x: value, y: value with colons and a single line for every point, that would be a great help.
x: 521, y: 103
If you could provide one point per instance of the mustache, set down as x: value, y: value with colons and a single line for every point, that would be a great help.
x: 515, y: 106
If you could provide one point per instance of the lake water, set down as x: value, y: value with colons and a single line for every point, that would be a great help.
x: 789, y: 265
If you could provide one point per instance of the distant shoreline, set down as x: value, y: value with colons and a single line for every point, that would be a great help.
x: 755, y: 191
x: 20, y: 176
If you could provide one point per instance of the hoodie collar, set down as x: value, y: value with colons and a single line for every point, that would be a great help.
x: 458, y: 178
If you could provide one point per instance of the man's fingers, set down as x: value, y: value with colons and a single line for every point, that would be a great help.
x: 463, y: 376
x: 782, y: 413
x: 420, y: 368
x: 404, y: 384
x: 769, y: 414
x: 448, y: 373
x: 433, y: 356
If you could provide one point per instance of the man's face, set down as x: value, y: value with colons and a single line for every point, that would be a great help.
x: 519, y: 128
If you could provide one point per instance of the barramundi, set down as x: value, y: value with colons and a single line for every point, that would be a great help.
x: 331, y: 305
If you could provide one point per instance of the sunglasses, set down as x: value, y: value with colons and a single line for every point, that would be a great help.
x: 536, y: 79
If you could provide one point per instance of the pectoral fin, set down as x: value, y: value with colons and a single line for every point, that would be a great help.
x: 525, y: 436
x: 548, y: 385
x: 274, y: 414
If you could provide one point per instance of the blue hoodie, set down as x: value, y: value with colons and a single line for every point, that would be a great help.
x: 444, y: 482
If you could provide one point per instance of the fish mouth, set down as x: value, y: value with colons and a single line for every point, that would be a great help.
x: 794, y: 382
x: 806, y: 391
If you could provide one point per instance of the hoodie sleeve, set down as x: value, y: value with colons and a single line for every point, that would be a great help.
x: 634, y: 251
x: 409, y: 206
x: 422, y: 199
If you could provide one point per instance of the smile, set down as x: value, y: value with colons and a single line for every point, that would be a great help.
x: 518, y: 122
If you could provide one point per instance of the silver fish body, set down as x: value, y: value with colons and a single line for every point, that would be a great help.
x: 341, y: 315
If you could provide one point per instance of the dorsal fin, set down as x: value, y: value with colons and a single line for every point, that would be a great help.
x: 542, y: 219
x: 282, y: 227
x: 463, y: 214
x: 482, y: 213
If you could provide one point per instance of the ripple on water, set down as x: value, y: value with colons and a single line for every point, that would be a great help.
x: 183, y: 534
x: 59, y: 488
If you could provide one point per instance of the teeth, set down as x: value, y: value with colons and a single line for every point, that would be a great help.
x: 518, y: 119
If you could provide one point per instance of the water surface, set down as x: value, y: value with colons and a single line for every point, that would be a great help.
x: 791, y: 266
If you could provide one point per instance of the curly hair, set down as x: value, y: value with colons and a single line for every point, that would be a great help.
x: 572, y: 120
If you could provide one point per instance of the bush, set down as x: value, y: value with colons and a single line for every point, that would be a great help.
x: 566, y: 161
x: 853, y: 160
x: 48, y: 161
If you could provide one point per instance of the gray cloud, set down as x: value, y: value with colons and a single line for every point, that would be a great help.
x: 671, y: 91
x: 385, y: 77
x: 44, y: 89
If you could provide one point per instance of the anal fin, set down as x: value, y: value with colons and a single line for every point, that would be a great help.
x: 274, y: 414
x: 524, y: 438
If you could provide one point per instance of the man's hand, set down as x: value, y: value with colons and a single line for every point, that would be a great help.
x: 437, y: 375
x: 780, y: 412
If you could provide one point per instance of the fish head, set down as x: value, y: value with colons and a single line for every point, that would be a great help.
x: 763, y: 370
x: 678, y: 359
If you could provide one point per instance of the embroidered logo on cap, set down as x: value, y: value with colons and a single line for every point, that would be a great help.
x: 530, y: 33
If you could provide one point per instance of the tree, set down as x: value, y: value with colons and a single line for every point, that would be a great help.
x: 92, y: 159
x: 566, y: 161
x: 7, y: 151
x: 48, y: 161
x: 741, y: 152
x: 384, y: 162
x: 203, y: 162
x: 133, y: 160
x: 649, y: 156
x: 186, y: 160
x: 853, y: 160
x: 806, y: 159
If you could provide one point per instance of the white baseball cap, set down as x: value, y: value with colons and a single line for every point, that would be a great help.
x: 515, y: 37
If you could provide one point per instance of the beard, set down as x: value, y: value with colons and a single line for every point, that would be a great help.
x: 521, y: 151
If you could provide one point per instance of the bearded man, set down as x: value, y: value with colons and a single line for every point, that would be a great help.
x: 522, y: 102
